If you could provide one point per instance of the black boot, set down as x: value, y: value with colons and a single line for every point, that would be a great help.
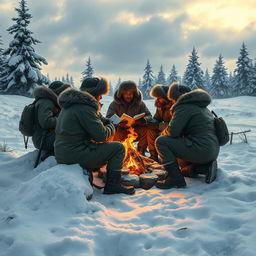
x: 114, y: 186
x: 209, y: 170
x: 174, y: 177
x: 154, y: 155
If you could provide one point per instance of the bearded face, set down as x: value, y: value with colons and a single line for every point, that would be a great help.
x: 160, y: 103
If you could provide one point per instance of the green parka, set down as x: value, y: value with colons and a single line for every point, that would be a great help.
x: 137, y: 106
x: 47, y: 110
x: 192, y: 120
x: 79, y: 128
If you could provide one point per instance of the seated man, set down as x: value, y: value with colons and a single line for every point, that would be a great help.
x: 161, y: 118
x: 47, y: 110
x: 81, y: 135
x: 128, y: 100
x: 190, y: 136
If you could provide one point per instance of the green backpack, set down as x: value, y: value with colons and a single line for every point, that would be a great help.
x: 221, y: 129
x: 27, y: 121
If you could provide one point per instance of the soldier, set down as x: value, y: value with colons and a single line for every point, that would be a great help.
x: 190, y: 136
x: 128, y: 100
x: 81, y: 136
x: 47, y: 110
x: 161, y: 118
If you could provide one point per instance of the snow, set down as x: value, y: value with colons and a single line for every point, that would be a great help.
x: 44, y: 211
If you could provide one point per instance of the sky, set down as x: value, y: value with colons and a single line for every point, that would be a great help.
x: 121, y: 35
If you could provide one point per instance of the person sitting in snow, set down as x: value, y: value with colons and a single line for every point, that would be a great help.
x: 161, y: 118
x: 81, y: 136
x: 47, y: 110
x: 190, y: 137
x: 128, y: 100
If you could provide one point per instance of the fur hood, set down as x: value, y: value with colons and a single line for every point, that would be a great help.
x: 197, y: 97
x: 43, y: 92
x: 72, y: 97
x: 128, y: 86
x: 159, y: 91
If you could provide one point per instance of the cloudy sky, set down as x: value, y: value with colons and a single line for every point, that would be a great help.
x: 120, y: 35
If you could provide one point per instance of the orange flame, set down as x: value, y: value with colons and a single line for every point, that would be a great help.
x: 131, y: 155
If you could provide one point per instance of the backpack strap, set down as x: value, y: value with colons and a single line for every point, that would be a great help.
x: 214, y: 114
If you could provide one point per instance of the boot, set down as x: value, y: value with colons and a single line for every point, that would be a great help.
x: 188, y: 171
x: 154, y: 155
x: 174, y: 177
x: 114, y: 186
x: 209, y: 170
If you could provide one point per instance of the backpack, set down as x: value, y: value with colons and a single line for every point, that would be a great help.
x: 27, y: 122
x: 221, y: 129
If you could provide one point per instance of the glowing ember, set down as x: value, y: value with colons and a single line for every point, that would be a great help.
x: 133, y: 160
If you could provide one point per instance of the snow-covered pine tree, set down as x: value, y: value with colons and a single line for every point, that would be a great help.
x: 63, y: 79
x: 243, y: 73
x: 111, y: 90
x: 207, y: 81
x: 89, y: 70
x: 173, y: 76
x: 139, y: 84
x: 148, y: 81
x: 161, y: 76
x: 193, y: 76
x: 23, y: 65
x: 253, y: 80
x: 119, y: 81
x: 219, y: 79
x: 2, y: 62
x: 72, y: 81
x: 67, y: 79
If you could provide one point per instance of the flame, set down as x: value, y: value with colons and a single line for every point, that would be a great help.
x: 132, y: 160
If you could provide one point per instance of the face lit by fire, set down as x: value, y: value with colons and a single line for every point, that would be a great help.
x: 128, y: 96
x: 98, y: 98
x: 160, y: 102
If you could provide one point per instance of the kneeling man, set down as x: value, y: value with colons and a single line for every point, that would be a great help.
x: 81, y: 135
x: 190, y: 136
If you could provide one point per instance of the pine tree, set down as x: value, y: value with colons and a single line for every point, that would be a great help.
x: 243, y: 73
x: 23, y: 65
x: 111, y: 90
x: 219, y: 79
x: 207, y: 81
x: 63, y: 79
x: 89, y: 70
x: 67, y: 80
x: 119, y: 81
x: 161, y: 76
x: 148, y: 81
x: 253, y: 80
x: 193, y: 76
x: 2, y: 63
x: 173, y: 77
x: 72, y: 81
x: 139, y: 84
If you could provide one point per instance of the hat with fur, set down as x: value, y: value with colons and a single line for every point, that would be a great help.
x: 176, y: 90
x: 159, y: 91
x: 95, y: 86
x: 57, y: 87
x: 127, y: 86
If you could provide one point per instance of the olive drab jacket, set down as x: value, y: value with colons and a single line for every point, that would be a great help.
x: 137, y: 106
x: 47, y: 110
x: 193, y: 120
x: 79, y: 127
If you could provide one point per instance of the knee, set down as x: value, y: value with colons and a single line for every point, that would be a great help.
x: 160, y: 141
x: 119, y: 147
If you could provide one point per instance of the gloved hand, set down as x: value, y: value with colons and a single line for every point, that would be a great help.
x: 123, y: 124
x: 140, y: 122
x: 163, y: 126
x: 107, y: 121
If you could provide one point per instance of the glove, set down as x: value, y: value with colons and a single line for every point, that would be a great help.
x: 163, y: 126
x: 141, y: 121
x: 107, y: 121
x: 123, y: 124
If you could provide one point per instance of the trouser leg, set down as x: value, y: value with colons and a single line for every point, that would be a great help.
x: 142, y: 139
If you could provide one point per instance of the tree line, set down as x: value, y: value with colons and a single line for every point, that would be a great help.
x: 20, y: 68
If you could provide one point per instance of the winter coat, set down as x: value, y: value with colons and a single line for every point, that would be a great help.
x: 163, y: 116
x: 137, y: 106
x: 79, y: 127
x: 193, y: 120
x: 47, y: 110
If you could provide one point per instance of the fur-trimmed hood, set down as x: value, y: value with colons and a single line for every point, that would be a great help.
x: 128, y: 86
x: 159, y: 91
x: 72, y: 97
x: 197, y: 97
x: 43, y: 92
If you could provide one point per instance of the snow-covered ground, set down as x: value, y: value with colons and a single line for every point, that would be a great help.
x: 44, y: 211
